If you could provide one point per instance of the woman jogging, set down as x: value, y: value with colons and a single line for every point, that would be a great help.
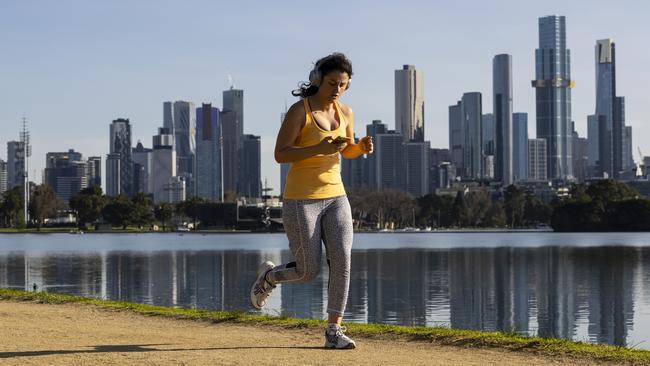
x: 315, y: 131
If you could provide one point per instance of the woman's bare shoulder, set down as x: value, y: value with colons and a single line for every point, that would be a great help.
x: 296, y: 112
x: 346, y: 109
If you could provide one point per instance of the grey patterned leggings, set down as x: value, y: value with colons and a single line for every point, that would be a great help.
x: 306, y: 223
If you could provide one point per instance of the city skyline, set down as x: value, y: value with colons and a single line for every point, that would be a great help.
x: 100, y: 86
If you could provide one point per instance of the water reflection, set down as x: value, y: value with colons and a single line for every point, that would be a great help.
x: 570, y: 292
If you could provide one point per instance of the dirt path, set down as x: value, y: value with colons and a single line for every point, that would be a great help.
x: 73, y: 334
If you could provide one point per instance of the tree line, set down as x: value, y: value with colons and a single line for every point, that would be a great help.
x: 604, y: 205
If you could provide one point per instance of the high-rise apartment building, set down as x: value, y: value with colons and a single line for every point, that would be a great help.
x: 628, y: 157
x: 520, y: 146
x: 142, y: 161
x: 95, y: 171
x: 15, y: 164
x: 609, y: 126
x: 208, y: 153
x: 502, y: 101
x: 179, y: 119
x: 232, y: 130
x: 163, y: 166
x: 593, y: 147
x: 471, y: 114
x: 373, y: 129
x: 120, y: 143
x: 3, y: 177
x: 409, y: 104
x: 417, y: 168
x: 353, y: 172
x: 66, y: 173
x: 250, y: 179
x: 465, y: 136
x: 488, y: 134
x: 553, y: 85
x: 113, y: 176
x: 389, y: 162
x: 537, y: 163
x: 456, y: 137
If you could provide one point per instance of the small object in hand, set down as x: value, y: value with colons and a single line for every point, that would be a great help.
x: 341, y: 140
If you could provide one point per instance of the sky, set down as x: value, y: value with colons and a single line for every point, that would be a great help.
x: 71, y: 66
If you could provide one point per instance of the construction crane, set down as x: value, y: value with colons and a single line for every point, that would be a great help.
x: 640, y: 167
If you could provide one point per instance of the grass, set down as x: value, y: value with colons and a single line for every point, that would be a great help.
x: 466, y: 338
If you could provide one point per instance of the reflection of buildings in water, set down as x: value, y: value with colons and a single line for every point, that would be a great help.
x: 436, y: 287
x: 471, y: 288
x: 396, y: 287
x: 356, y: 309
x: 12, y: 271
x: 488, y: 288
x: 611, y: 312
x: 129, y: 277
x: 34, y: 272
x: 555, y: 292
x: 304, y: 300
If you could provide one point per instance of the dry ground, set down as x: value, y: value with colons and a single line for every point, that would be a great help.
x: 77, y: 334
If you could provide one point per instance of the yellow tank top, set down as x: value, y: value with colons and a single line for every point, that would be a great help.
x: 319, y: 176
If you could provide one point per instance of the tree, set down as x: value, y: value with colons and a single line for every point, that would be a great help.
x: 495, y: 216
x: 459, y: 210
x: 163, y: 212
x: 11, y: 208
x: 514, y: 202
x: 190, y: 208
x: 88, y: 205
x: 477, y: 204
x: 142, y: 214
x: 43, y: 204
x: 118, y: 211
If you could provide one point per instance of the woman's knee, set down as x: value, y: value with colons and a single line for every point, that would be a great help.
x: 308, y: 273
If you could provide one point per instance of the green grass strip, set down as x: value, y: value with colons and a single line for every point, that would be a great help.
x: 438, y: 335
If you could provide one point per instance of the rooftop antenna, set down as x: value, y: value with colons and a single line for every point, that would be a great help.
x: 230, y: 82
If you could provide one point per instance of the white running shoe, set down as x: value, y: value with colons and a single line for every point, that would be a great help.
x: 336, y: 338
x: 262, y: 288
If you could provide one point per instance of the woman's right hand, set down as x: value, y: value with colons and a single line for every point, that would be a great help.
x: 328, y: 147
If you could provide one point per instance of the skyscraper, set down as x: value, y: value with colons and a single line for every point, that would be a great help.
x: 208, y: 153
x: 95, y: 171
x: 113, y: 177
x: 15, y: 164
x: 183, y: 122
x: 373, y: 129
x: 120, y: 143
x: 520, y: 146
x: 605, y: 100
x: 618, y: 135
x: 553, y: 95
x: 456, y: 137
x: 417, y: 168
x: 502, y: 99
x: 409, y: 104
x: 471, y: 114
x: 163, y: 166
x: 142, y: 161
x: 250, y: 179
x: 3, y: 177
x: 537, y: 163
x: 389, y: 161
x: 488, y: 134
x: 232, y: 130
x: 66, y: 173
x: 593, y: 145
x: 628, y: 157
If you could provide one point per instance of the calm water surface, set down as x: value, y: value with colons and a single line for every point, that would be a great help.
x: 589, y: 287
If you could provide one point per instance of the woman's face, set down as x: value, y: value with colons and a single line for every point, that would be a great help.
x: 334, y: 85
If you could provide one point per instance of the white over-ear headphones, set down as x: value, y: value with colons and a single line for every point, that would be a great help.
x: 315, y: 76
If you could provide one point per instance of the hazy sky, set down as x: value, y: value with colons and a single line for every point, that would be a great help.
x: 71, y: 67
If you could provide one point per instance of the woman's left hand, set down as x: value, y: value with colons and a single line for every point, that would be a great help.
x: 366, y: 145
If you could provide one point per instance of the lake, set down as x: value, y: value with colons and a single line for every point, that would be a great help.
x: 591, y: 287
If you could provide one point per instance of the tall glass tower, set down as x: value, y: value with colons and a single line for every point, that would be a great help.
x: 553, y: 96
x: 409, y: 104
x: 502, y: 88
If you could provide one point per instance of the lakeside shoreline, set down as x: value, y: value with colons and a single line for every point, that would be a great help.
x: 462, y: 339
x: 205, y: 232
